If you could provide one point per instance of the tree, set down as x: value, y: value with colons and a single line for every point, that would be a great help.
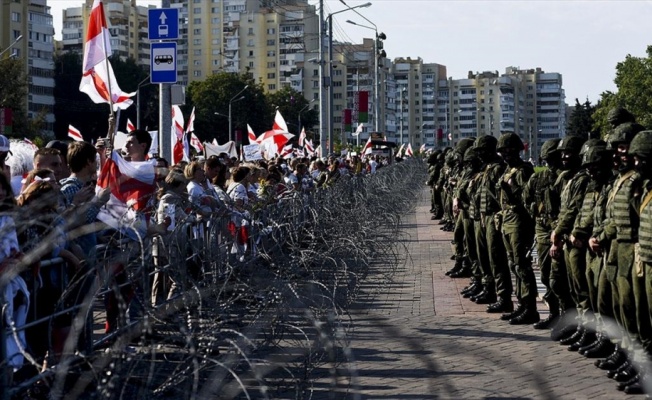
x: 13, y: 95
x: 634, y: 83
x: 581, y: 122
x: 290, y: 103
x: 211, y: 99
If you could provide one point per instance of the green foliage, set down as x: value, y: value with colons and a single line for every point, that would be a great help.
x: 213, y: 96
x: 581, y: 121
x: 13, y: 95
x: 634, y: 82
x: 291, y: 103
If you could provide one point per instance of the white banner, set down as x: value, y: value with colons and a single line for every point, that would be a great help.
x: 252, y: 152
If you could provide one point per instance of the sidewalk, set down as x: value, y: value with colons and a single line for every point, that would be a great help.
x: 417, y: 338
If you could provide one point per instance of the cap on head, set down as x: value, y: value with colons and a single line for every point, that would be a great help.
x: 4, y: 144
x: 59, y: 145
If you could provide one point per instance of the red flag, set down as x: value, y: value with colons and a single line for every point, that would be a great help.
x: 179, y: 149
x: 367, y: 147
x: 302, y: 137
x: 408, y: 151
x: 75, y: 134
x: 132, y: 185
x: 98, y: 80
x: 196, y: 143
x: 287, y: 151
x: 191, y: 122
x: 130, y: 126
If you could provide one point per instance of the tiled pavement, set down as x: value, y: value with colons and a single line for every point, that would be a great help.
x: 417, y: 338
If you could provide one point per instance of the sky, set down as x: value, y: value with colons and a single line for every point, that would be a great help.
x: 582, y: 40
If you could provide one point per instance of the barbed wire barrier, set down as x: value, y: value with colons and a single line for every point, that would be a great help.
x: 254, y: 312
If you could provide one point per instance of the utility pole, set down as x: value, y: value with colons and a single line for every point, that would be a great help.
x: 323, y: 100
x: 164, y: 113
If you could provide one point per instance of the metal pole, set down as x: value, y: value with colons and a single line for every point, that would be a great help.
x: 230, y: 130
x: 376, y: 87
x: 401, y: 115
x: 323, y: 127
x: 165, y: 117
x: 529, y: 147
x: 330, y: 83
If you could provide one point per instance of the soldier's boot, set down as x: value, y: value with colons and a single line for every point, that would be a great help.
x: 443, y: 221
x: 565, y: 326
x: 574, y: 337
x: 456, y: 267
x: 471, y: 286
x: 617, y: 358
x: 602, y: 347
x: 547, y: 322
x: 519, y: 310
x: 622, y: 385
x: 477, y: 289
x: 622, y: 368
x: 529, y: 316
x: 502, y: 305
x: 487, y: 296
x: 638, y: 387
x: 587, y: 338
x: 464, y: 272
x: 625, y: 375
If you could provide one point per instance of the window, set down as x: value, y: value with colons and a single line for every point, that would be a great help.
x: 337, y: 95
x: 250, y: 31
x: 271, y: 87
x: 197, y: 62
x: 216, y: 52
x: 271, y: 64
x: 250, y: 42
x: 315, y: 84
x: 196, y: 73
x: 337, y: 83
x: 15, y: 17
x: 251, y: 64
x: 271, y: 75
x: 197, y: 52
x: 315, y: 72
x: 196, y: 42
x: 271, y: 42
x: 215, y: 10
x: 215, y: 41
x: 215, y: 21
x: 315, y: 96
x: 251, y: 53
x: 271, y: 53
x: 271, y: 31
x: 197, y: 10
x: 196, y: 21
x: 196, y: 31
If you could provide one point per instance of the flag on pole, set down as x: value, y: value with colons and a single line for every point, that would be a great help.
x: 279, y: 123
x: 408, y: 150
x: 29, y: 142
x: 310, y: 149
x: 191, y: 122
x: 132, y: 185
x: 302, y: 137
x: 98, y: 80
x: 358, y: 130
x: 367, y: 147
x: 177, y: 136
x: 196, y: 143
x: 130, y: 126
x: 251, y: 135
x: 399, y: 153
x: 287, y: 151
x: 422, y: 149
x: 75, y: 134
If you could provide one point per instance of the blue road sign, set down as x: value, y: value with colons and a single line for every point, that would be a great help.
x: 163, y: 23
x: 163, y: 62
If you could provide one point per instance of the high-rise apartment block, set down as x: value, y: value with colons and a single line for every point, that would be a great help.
x: 31, y: 21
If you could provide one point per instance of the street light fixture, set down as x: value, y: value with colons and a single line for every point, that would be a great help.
x: 377, y: 55
x: 233, y: 100
x: 18, y: 39
x: 330, y: 68
x: 301, y: 111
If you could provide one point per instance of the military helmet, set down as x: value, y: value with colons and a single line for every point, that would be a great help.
x: 596, y: 153
x: 462, y: 145
x: 571, y: 144
x: 641, y: 145
x: 432, y: 158
x: 486, y: 143
x: 591, y: 143
x: 624, y: 133
x: 470, y: 154
x: 619, y: 115
x: 510, y: 140
x: 549, y: 148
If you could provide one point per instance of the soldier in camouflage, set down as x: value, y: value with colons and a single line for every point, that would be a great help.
x: 542, y: 201
x: 517, y: 228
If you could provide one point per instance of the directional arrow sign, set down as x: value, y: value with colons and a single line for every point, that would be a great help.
x: 163, y: 64
x: 163, y: 23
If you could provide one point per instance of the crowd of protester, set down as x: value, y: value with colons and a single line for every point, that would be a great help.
x: 588, y: 215
x: 49, y: 207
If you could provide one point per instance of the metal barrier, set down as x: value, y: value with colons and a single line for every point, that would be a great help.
x: 272, y: 297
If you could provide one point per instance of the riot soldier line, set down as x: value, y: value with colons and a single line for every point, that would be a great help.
x: 589, y: 214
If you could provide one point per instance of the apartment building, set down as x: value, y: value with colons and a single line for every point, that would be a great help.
x: 529, y: 102
x: 32, y: 21
x: 127, y: 23
x: 415, y: 99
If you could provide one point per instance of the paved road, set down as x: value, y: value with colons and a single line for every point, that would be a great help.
x: 417, y: 338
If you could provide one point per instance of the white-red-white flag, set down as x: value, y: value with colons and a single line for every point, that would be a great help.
x: 75, y: 134
x: 196, y: 143
x: 367, y: 147
x: 279, y: 123
x: 191, y: 121
x: 132, y: 185
x: 399, y: 153
x: 274, y: 138
x: 408, y: 150
x: 287, y: 151
x: 422, y: 149
x: 251, y: 135
x: 177, y: 137
x: 29, y: 142
x: 299, y: 153
x: 130, y: 126
x: 310, y: 149
x: 98, y: 80
x: 302, y: 137
x: 358, y: 130
x: 450, y: 136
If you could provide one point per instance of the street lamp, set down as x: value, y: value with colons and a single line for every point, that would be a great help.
x: 330, y: 69
x: 18, y: 39
x: 233, y: 100
x: 402, y: 92
x: 377, y: 55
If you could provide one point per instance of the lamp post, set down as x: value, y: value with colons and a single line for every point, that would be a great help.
x: 233, y: 100
x: 377, y: 55
x: 18, y: 39
x: 402, y: 91
x: 330, y: 70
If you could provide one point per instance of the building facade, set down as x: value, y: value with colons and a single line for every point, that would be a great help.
x: 31, y: 21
